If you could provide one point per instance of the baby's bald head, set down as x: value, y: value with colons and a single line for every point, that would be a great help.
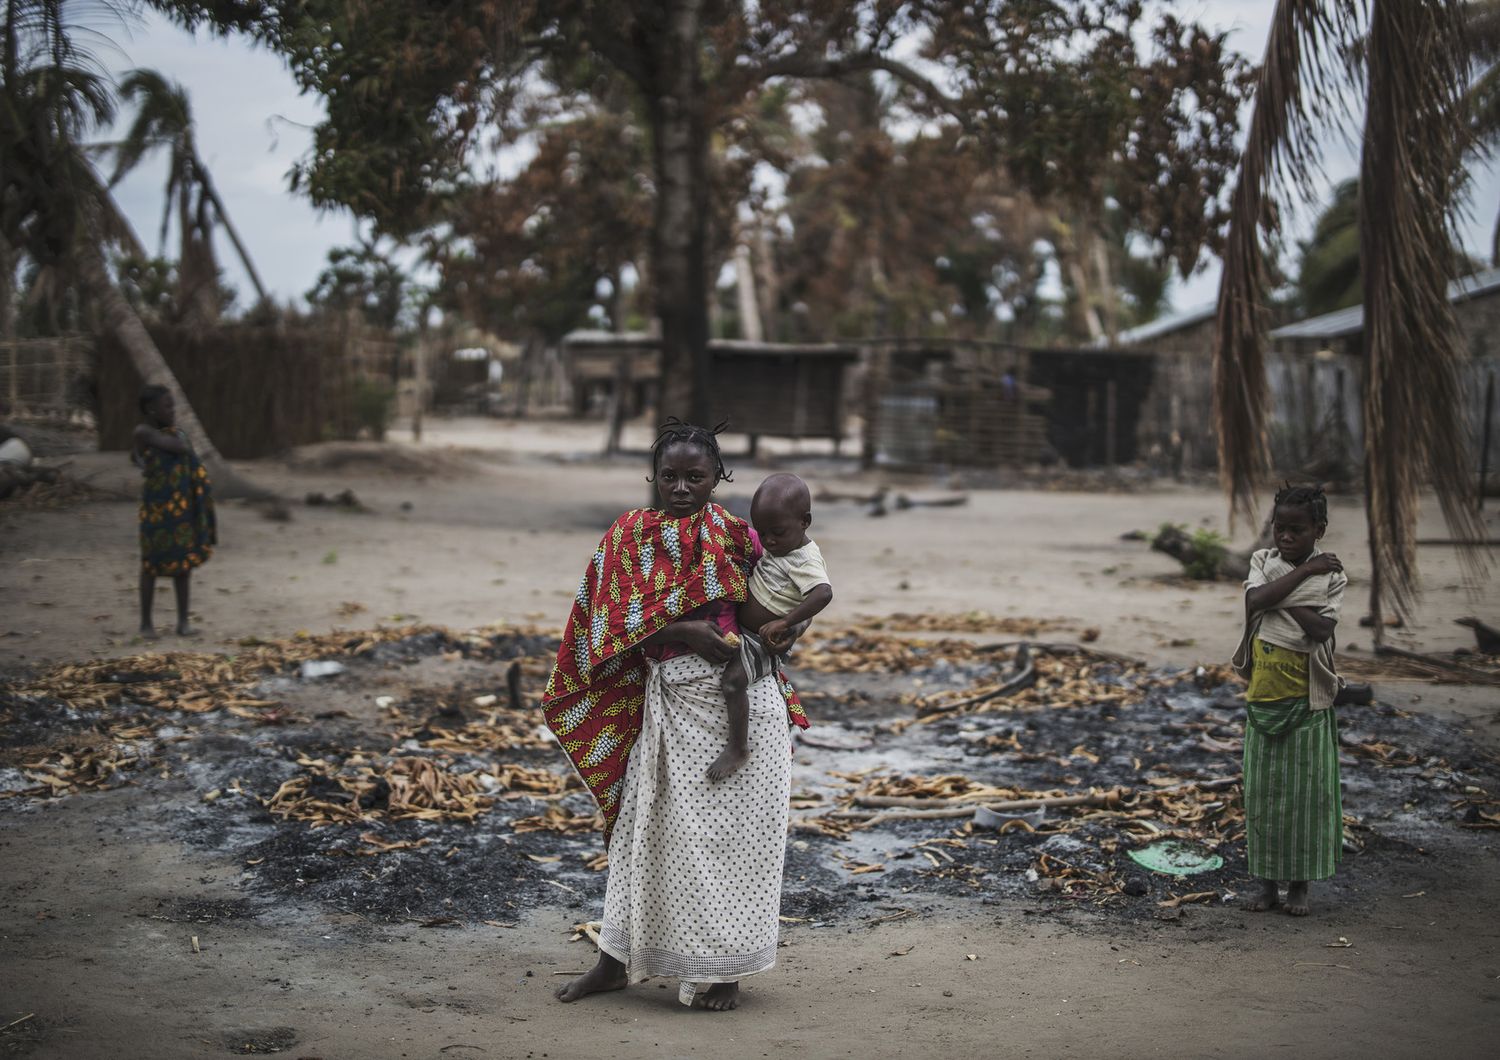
x: 781, y: 511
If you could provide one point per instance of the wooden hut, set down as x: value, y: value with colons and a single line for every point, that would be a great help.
x: 785, y: 390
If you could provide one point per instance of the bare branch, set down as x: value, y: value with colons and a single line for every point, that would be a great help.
x: 806, y: 64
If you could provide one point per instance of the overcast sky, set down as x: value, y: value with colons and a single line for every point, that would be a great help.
x: 252, y: 126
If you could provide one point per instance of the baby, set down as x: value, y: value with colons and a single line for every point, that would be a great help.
x: 787, y: 587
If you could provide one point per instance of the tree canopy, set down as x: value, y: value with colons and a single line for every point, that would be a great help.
x: 1057, y: 96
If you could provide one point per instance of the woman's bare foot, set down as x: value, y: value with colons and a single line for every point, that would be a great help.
x: 722, y: 997
x: 1296, y: 898
x: 1267, y: 898
x: 608, y: 974
x: 147, y: 633
x: 730, y: 759
x: 185, y: 629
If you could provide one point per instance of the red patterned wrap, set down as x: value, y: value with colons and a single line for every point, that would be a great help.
x: 648, y: 571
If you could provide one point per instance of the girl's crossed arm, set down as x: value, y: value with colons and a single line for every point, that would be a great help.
x: 166, y: 441
x: 1264, y: 597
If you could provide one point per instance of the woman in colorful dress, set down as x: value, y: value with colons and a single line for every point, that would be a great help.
x: 178, y: 527
x: 635, y: 699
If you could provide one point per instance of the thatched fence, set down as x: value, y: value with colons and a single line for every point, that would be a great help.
x: 258, y: 389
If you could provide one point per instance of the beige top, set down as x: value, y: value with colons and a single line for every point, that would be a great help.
x: 780, y: 583
x: 1325, y: 593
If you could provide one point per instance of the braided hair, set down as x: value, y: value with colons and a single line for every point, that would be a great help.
x: 675, y: 431
x: 1310, y: 497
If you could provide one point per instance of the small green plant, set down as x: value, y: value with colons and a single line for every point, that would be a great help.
x: 1210, y: 548
x: 1202, y: 553
x: 373, y: 401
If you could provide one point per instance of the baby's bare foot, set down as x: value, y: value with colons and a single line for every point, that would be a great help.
x: 608, y: 974
x: 1265, y: 898
x: 730, y: 759
x: 1296, y: 898
x: 722, y: 997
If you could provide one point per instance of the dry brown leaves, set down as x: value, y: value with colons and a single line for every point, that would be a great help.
x: 858, y: 651
x: 1062, y: 682
x: 520, y: 781
x: 75, y: 768
x: 66, y: 492
x: 199, y: 681
x: 495, y: 730
x: 556, y: 819
x: 407, y: 788
x: 967, y: 622
x: 947, y: 786
x: 1442, y: 670
x: 421, y: 789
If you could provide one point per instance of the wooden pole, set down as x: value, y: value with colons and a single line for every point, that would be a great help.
x: 617, y: 400
x: 419, y: 369
x: 1111, y: 399
x: 1484, y: 441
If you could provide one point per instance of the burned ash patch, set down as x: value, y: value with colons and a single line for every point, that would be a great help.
x: 1159, y: 752
x: 409, y: 787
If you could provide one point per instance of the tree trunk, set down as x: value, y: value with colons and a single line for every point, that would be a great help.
x: 1105, y: 276
x: 679, y: 236
x: 234, y: 236
x: 8, y: 259
x: 768, y: 284
x: 122, y: 321
x: 745, y: 294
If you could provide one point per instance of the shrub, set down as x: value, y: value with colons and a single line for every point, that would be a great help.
x: 373, y: 401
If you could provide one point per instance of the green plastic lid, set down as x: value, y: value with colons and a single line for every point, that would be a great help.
x: 1176, y: 858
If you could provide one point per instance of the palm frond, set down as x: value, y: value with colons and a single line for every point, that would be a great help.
x: 1408, y: 187
x: 1482, y: 30
x: 1307, y: 63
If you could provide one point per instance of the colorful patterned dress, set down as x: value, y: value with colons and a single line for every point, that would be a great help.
x: 178, y: 526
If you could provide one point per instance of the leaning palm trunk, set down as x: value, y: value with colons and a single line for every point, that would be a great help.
x: 1412, y: 143
x: 122, y: 321
x: 209, y: 190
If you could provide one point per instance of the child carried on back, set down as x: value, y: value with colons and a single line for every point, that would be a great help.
x: 788, y: 586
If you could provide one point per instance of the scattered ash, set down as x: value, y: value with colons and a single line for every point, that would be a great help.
x: 262, y: 1041
x: 408, y: 787
x: 203, y: 910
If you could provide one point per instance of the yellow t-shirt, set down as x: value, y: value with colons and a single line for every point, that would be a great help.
x: 1277, y: 673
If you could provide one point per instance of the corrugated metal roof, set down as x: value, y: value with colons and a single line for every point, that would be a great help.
x: 1351, y: 321
x: 1165, y: 325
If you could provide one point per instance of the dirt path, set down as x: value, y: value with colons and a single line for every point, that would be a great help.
x: 97, y: 931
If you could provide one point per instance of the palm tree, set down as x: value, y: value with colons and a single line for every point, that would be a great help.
x: 1328, y: 275
x: 164, y: 119
x: 54, y: 207
x: 1482, y: 100
x: 1414, y: 68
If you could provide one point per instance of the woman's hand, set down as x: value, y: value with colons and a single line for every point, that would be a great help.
x: 705, y: 639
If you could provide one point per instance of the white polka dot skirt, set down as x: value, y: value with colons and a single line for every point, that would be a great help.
x: 695, y: 865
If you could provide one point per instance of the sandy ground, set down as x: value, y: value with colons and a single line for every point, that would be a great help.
x: 96, y: 926
x: 503, y: 515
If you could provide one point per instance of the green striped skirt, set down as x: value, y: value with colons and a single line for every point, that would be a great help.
x: 1294, y: 817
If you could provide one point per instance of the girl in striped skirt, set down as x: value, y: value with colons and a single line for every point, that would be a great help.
x: 1293, y: 813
